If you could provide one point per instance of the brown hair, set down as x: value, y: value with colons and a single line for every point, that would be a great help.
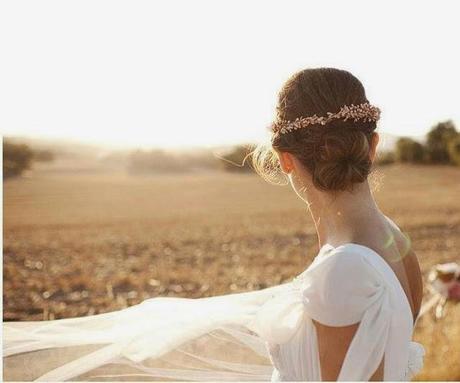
x: 336, y: 154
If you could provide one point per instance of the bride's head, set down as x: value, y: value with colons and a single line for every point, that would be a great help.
x: 315, y: 140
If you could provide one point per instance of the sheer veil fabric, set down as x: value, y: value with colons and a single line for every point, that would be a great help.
x: 255, y: 336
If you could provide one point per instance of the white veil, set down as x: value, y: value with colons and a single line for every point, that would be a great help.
x: 161, y: 338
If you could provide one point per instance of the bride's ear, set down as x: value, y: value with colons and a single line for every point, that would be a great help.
x: 286, y: 161
x: 373, y: 147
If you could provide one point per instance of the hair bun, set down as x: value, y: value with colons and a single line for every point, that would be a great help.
x: 342, y: 160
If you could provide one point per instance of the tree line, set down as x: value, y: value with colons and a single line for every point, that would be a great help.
x: 442, y: 146
x: 19, y: 157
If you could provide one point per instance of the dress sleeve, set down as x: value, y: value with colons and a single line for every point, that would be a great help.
x: 345, y: 289
x: 340, y: 290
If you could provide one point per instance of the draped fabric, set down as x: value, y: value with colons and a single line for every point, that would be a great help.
x: 260, y: 335
x: 343, y: 286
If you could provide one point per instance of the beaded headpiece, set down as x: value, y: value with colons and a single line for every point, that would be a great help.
x: 364, y: 112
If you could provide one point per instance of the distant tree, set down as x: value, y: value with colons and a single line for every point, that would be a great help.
x: 44, y: 155
x: 454, y: 150
x: 236, y: 159
x: 160, y: 161
x: 16, y: 159
x: 409, y: 150
x: 438, y: 141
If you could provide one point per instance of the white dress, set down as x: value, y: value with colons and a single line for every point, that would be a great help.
x: 342, y: 286
x: 261, y: 335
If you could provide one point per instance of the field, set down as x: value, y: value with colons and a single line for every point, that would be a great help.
x: 84, y: 243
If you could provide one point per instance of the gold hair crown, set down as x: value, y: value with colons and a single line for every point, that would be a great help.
x: 365, y: 112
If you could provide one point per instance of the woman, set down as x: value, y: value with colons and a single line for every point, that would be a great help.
x: 327, y: 150
x: 348, y: 316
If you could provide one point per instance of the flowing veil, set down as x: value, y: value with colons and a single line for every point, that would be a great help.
x: 212, y: 338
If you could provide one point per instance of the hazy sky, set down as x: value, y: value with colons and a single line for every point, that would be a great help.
x: 178, y: 73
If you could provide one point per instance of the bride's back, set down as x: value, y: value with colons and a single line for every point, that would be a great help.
x: 395, y: 248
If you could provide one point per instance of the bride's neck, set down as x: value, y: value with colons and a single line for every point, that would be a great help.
x: 341, y: 217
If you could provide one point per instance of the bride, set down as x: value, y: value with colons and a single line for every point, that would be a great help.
x: 349, y: 315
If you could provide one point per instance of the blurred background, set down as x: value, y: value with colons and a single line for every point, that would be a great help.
x: 126, y: 127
